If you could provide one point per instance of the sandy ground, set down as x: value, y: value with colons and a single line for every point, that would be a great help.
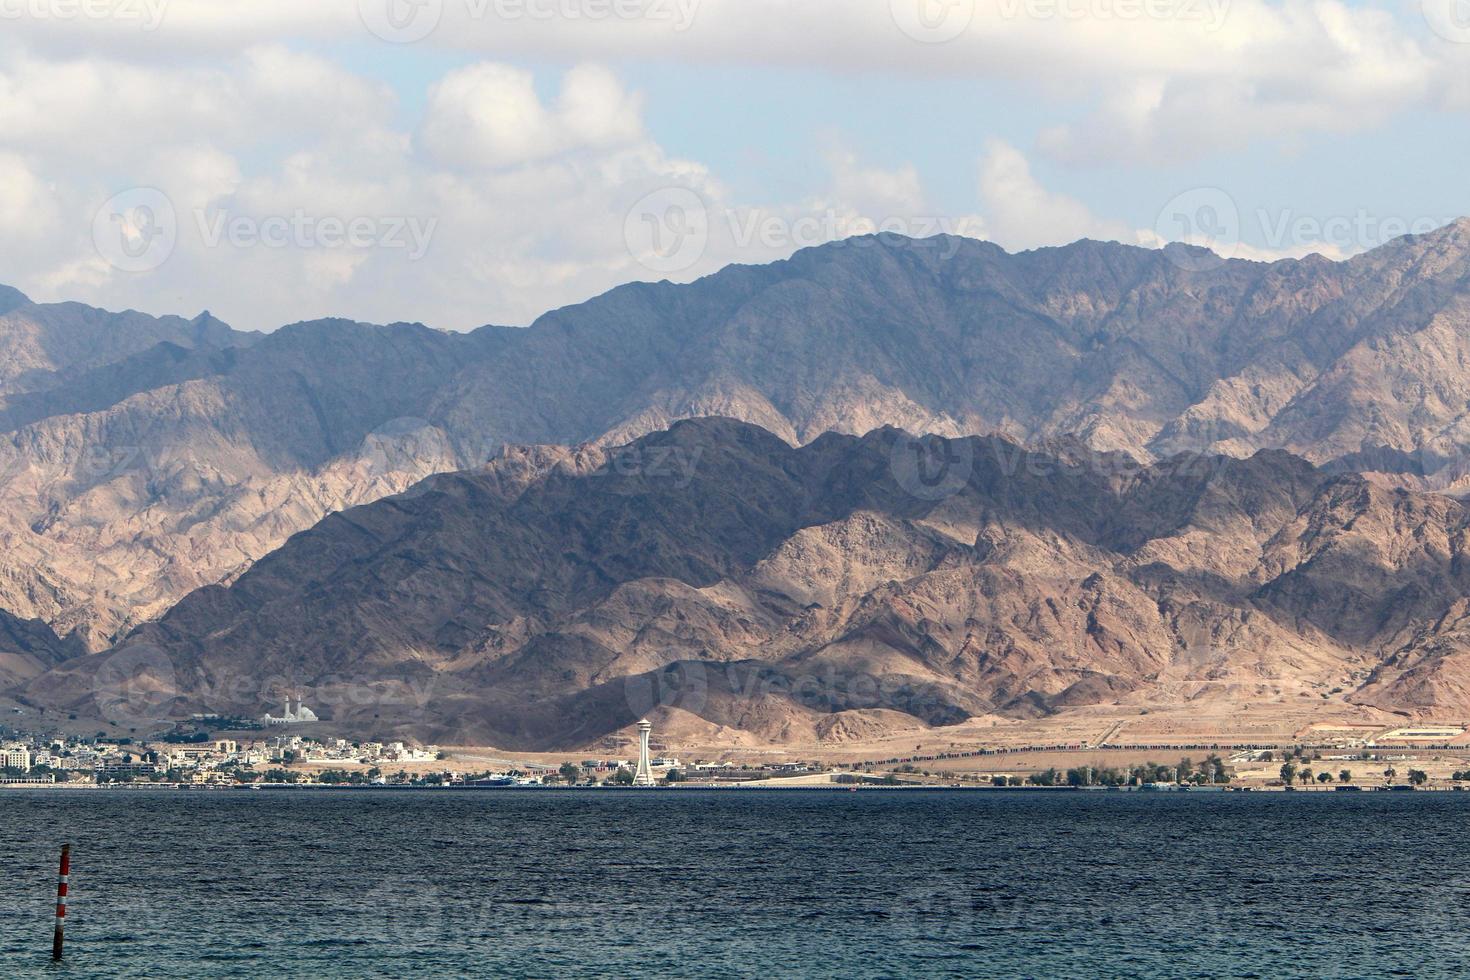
x: 1100, y: 737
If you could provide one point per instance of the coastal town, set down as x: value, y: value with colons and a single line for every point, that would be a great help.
x: 290, y: 749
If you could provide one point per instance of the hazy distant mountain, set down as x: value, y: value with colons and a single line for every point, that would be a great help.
x: 143, y: 458
x: 28, y: 648
x: 44, y: 346
x: 725, y: 580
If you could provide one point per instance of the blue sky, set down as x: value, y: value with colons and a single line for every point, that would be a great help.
x: 507, y: 162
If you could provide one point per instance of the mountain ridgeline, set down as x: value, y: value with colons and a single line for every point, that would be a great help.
x: 145, y: 460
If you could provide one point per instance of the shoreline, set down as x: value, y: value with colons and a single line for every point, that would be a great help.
x: 716, y: 787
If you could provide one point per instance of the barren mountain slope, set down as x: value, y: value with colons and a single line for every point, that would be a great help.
x: 716, y: 572
x: 143, y: 458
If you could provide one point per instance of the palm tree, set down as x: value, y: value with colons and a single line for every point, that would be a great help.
x: 1344, y: 776
x: 1389, y: 773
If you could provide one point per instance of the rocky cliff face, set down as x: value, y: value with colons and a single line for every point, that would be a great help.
x: 141, y: 459
x: 719, y: 577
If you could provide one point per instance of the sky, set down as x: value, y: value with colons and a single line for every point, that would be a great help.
x: 463, y: 162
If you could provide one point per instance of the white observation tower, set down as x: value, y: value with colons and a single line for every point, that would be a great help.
x: 644, y: 775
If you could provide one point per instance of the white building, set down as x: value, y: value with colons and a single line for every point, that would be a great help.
x: 301, y: 716
x: 15, y: 757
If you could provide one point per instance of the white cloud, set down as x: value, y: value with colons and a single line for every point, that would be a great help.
x: 27, y: 208
x: 873, y: 191
x: 495, y: 206
x: 1020, y: 213
x: 489, y: 115
x: 1269, y: 73
x: 236, y: 108
x: 1163, y: 79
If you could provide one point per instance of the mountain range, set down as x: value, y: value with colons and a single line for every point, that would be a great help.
x: 742, y: 586
x: 153, y: 472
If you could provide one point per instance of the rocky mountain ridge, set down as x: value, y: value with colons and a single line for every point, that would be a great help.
x: 143, y: 458
x: 732, y: 584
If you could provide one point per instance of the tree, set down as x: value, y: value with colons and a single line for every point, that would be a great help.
x: 1288, y: 773
x: 623, y: 777
x: 1418, y: 777
x: 1344, y: 777
x: 1389, y: 773
x: 674, y: 776
x: 997, y: 780
x: 570, y: 773
x: 1305, y: 775
x: 1324, y: 776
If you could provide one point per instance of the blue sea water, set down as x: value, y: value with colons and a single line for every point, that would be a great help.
x: 737, y: 883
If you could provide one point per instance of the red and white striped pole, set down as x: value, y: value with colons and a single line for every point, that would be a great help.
x: 61, y: 900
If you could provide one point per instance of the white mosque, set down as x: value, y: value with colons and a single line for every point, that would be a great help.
x: 301, y: 716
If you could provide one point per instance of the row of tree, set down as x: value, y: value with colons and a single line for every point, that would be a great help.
x: 1291, y: 773
x: 1210, y: 770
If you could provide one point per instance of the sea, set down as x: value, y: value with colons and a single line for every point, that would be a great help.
x: 737, y: 883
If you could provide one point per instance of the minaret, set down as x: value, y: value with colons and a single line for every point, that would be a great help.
x: 644, y: 775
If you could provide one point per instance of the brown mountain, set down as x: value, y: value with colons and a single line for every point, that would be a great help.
x: 28, y: 648
x: 141, y: 459
x: 719, y: 577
